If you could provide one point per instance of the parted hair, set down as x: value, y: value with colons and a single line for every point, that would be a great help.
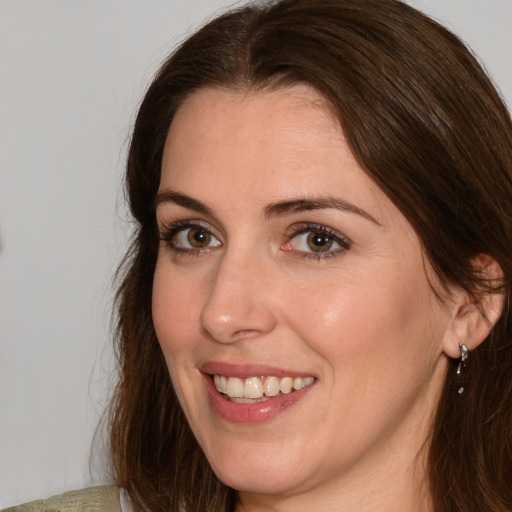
x: 425, y: 122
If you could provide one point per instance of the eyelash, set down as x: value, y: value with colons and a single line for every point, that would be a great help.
x: 169, y: 233
x: 336, y: 237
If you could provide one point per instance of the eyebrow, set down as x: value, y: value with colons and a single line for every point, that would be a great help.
x: 277, y: 209
x: 169, y: 196
x: 321, y: 203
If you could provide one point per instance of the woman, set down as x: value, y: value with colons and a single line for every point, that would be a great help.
x: 412, y: 194
x: 314, y: 311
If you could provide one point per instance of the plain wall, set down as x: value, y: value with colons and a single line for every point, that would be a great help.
x: 72, y: 73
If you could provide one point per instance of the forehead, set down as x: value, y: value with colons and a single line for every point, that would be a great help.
x: 218, y: 118
x: 238, y: 130
x: 266, y: 146
x: 223, y: 100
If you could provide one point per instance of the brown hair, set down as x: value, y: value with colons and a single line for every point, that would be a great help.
x: 425, y: 122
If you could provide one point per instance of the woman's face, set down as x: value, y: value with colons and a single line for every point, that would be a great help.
x: 282, y: 263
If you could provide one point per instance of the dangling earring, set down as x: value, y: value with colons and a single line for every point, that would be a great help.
x: 461, y: 368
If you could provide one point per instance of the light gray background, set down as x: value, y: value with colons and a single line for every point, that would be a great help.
x: 72, y: 73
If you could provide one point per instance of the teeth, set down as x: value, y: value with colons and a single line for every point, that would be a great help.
x: 248, y: 400
x: 255, y: 388
x: 235, y: 388
x: 302, y: 382
x: 307, y: 381
x: 271, y: 386
x: 286, y: 385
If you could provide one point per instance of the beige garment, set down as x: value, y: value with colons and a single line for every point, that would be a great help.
x: 93, y: 499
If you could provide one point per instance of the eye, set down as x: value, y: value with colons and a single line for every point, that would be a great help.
x: 317, y: 241
x: 189, y: 237
x: 195, y: 237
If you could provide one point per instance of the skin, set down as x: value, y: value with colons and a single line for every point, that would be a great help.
x: 363, y: 321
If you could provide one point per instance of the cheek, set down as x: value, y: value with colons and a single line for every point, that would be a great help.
x: 174, y: 306
x: 385, y: 316
x: 173, y: 311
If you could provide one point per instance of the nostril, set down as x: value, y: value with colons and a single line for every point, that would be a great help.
x: 227, y: 330
x: 236, y: 308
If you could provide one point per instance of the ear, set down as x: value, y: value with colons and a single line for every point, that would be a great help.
x: 473, y: 318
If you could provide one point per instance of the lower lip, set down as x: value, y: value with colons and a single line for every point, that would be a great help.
x: 252, y: 413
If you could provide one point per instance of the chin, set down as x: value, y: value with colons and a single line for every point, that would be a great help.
x: 251, y: 482
x: 259, y: 472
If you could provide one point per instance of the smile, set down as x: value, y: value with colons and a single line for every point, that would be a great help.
x: 254, y: 393
x: 259, y: 389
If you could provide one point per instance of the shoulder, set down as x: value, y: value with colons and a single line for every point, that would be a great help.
x: 93, y: 499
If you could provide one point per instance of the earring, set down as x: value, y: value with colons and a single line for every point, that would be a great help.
x: 461, y: 367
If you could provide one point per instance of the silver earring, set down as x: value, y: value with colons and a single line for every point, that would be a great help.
x: 461, y: 367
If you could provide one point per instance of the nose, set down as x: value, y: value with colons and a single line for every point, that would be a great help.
x: 239, y: 302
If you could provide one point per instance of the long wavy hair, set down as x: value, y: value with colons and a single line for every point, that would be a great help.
x: 427, y: 125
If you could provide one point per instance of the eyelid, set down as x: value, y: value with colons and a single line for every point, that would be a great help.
x: 169, y: 229
x: 305, y: 227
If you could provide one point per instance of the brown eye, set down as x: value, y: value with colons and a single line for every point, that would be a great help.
x: 193, y: 237
x: 198, y: 238
x: 319, y: 242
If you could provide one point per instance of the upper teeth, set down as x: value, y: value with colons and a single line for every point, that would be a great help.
x: 256, y: 387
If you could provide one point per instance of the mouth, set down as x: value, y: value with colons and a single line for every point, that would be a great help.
x: 259, y: 389
x: 254, y: 393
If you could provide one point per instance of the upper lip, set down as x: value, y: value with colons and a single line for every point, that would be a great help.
x: 243, y: 371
